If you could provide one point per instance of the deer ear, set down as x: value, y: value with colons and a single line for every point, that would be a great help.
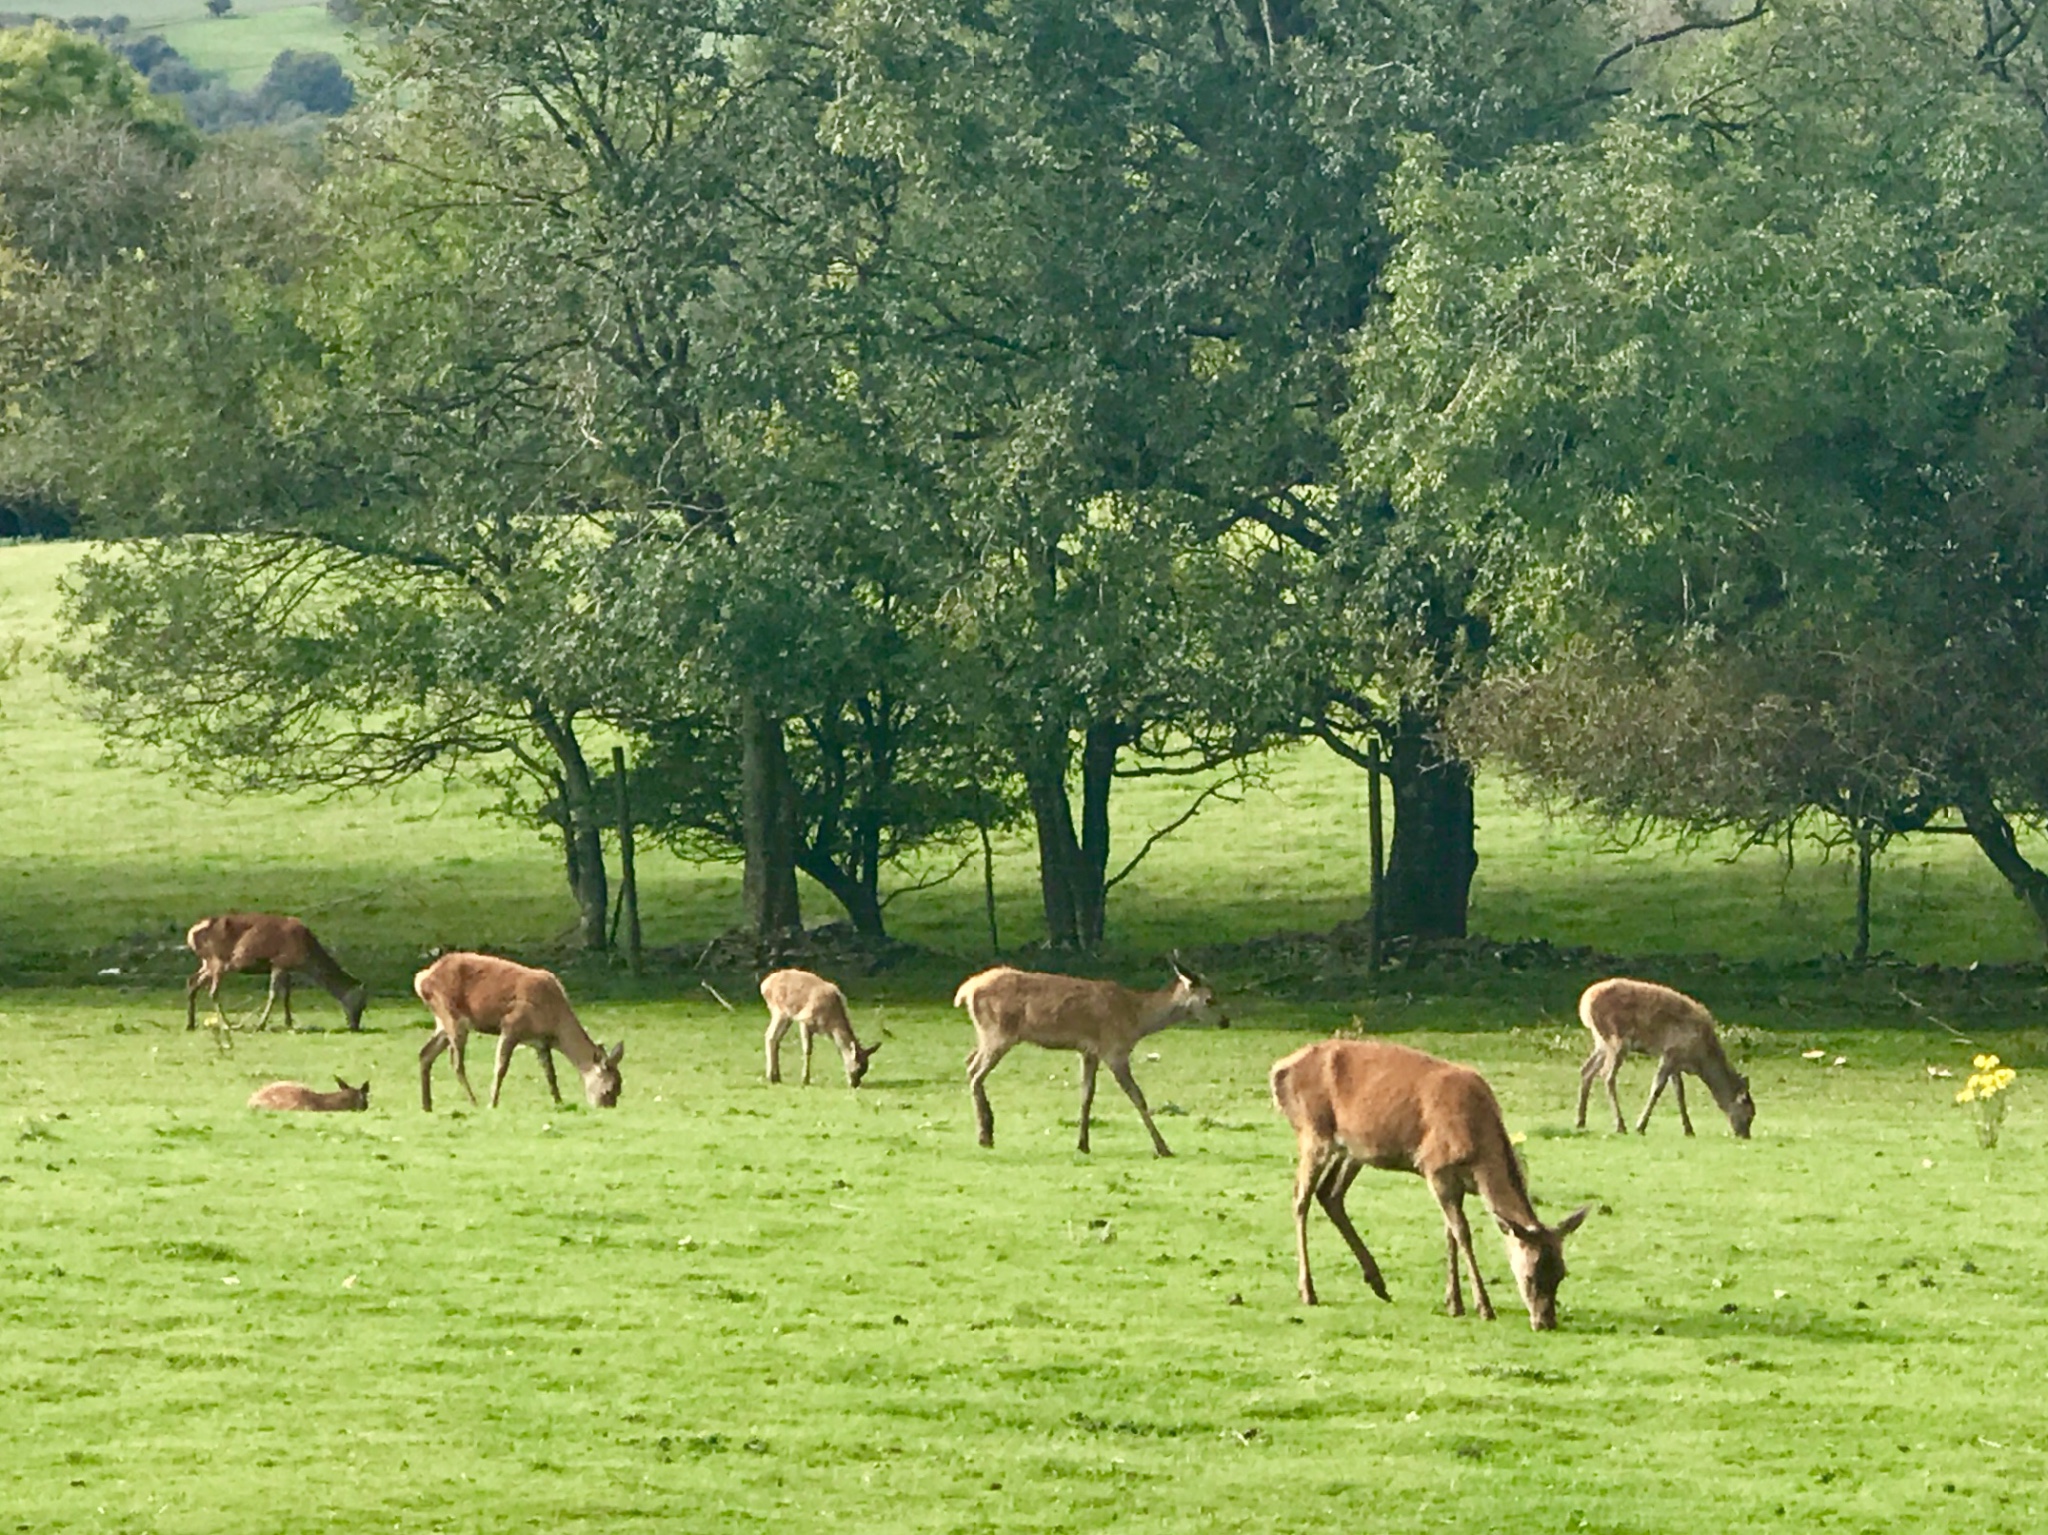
x: 617, y: 1051
x: 346, y: 1087
x: 1573, y: 1221
x: 1528, y: 1234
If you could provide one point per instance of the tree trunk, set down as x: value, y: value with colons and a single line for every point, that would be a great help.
x: 857, y: 892
x: 1430, y: 866
x: 1059, y: 852
x: 582, y: 827
x: 1994, y: 835
x: 1863, y: 861
x: 769, y: 824
x: 1073, y: 868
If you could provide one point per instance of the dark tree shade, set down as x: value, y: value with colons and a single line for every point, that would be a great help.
x: 315, y: 81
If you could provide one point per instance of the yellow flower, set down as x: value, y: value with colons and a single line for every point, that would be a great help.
x: 1985, y: 1062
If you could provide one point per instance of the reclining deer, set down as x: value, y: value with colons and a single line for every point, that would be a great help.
x: 523, y: 1006
x: 1358, y: 1103
x: 1100, y: 1019
x: 1640, y: 1017
x: 297, y: 1095
x: 244, y: 940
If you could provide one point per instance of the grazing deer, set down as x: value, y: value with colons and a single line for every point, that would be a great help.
x: 1100, y: 1019
x: 1357, y: 1103
x: 244, y: 940
x: 1644, y: 1018
x: 522, y: 1006
x: 296, y: 1095
x: 816, y: 1007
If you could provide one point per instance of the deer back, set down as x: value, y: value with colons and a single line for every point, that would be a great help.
x: 811, y: 998
x: 1391, y: 1106
x: 1063, y: 1012
x: 1644, y: 1015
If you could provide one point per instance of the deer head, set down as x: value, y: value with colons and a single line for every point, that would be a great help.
x: 1742, y: 1109
x: 1194, y: 997
x: 1536, y: 1254
x: 353, y: 1001
x: 601, y: 1083
x: 361, y: 1095
x: 862, y: 1054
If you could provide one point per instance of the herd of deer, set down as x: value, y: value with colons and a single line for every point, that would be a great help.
x: 1353, y: 1103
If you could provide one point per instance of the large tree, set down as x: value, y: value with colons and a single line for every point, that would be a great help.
x: 1757, y: 362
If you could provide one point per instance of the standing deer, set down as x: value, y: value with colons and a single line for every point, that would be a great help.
x: 1357, y: 1103
x: 1644, y: 1018
x: 522, y: 1006
x: 1100, y: 1019
x: 296, y: 1095
x: 816, y: 1007
x: 244, y: 940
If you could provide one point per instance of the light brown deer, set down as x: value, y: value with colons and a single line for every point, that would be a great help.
x: 816, y: 1007
x: 1100, y: 1019
x: 1358, y: 1103
x: 523, y: 1006
x: 296, y: 1095
x: 243, y: 940
x: 1640, y: 1017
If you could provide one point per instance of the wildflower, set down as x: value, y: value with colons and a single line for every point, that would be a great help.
x: 1985, y: 1089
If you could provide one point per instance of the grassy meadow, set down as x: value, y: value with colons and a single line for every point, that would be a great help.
x: 240, y: 44
x: 724, y: 1306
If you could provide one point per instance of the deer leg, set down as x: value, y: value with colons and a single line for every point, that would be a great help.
x: 1309, y: 1169
x: 1121, y: 1070
x: 547, y: 1067
x: 778, y: 1025
x: 1459, y: 1230
x: 979, y: 1065
x: 806, y: 1035
x: 1331, y: 1189
x: 279, y: 980
x: 1613, y: 1070
x: 286, y: 976
x: 192, y: 997
x: 1656, y: 1092
x: 460, y: 1045
x: 430, y: 1052
x: 1587, y: 1073
x: 1678, y: 1087
x: 1088, y: 1065
x: 506, y: 1045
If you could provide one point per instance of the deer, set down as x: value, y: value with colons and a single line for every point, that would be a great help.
x: 522, y: 1006
x: 1643, y: 1018
x: 1358, y: 1103
x: 1100, y: 1019
x: 244, y: 940
x: 296, y: 1095
x: 816, y: 1007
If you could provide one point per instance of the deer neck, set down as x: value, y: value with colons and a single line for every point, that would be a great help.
x: 1503, y: 1188
x: 1161, y: 1010
x: 576, y: 1045
x: 1719, y: 1076
x: 321, y: 968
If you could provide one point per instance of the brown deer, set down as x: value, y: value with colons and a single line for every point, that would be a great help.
x: 1357, y: 1103
x: 522, y: 1006
x: 243, y: 940
x: 296, y: 1095
x: 1100, y: 1019
x: 1643, y: 1018
x: 816, y: 1007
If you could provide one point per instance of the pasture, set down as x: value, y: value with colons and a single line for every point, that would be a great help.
x: 240, y: 45
x: 726, y: 1307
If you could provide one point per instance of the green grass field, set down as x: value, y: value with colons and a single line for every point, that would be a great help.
x: 724, y: 1306
x: 240, y: 44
